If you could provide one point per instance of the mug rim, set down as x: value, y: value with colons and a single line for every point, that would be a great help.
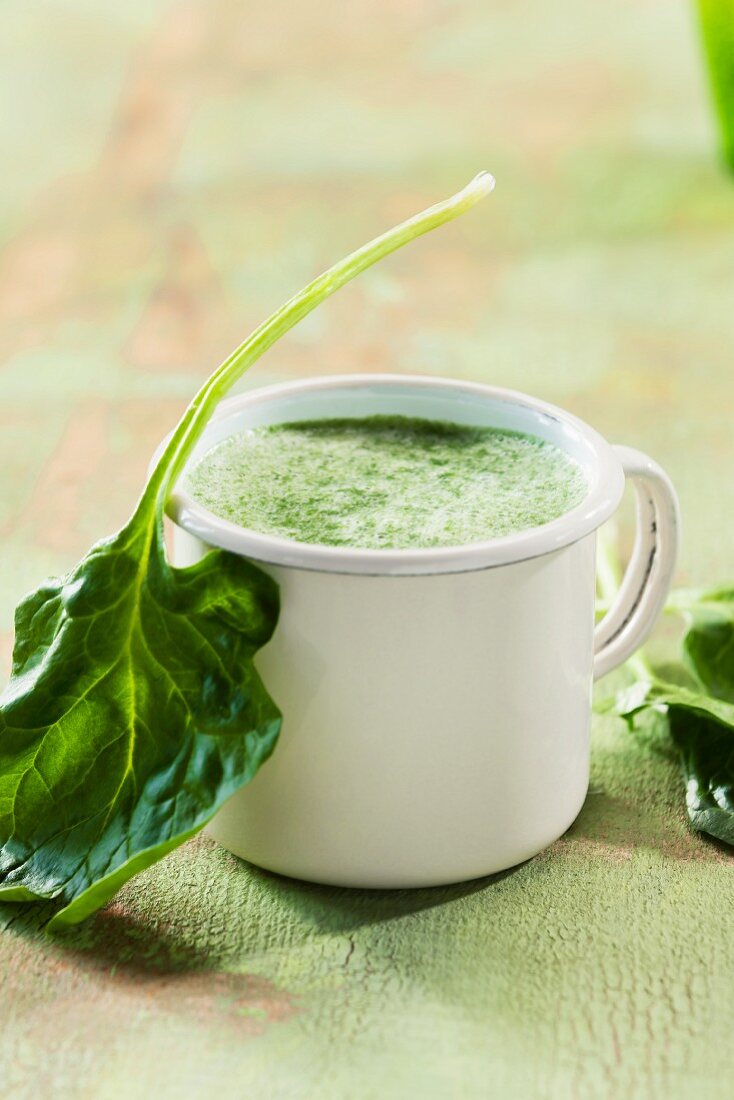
x: 601, y: 500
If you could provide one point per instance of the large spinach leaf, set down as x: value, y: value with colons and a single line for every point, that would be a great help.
x: 134, y: 709
x: 133, y: 712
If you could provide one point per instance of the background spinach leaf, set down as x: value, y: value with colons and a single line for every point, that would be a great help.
x: 708, y: 645
x: 700, y: 717
x: 716, y: 18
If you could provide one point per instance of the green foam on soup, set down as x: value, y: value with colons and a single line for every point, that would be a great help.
x: 386, y: 482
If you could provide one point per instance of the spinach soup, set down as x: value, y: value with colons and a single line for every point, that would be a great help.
x: 386, y: 482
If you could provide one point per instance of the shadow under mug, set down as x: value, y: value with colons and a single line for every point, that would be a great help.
x: 436, y: 702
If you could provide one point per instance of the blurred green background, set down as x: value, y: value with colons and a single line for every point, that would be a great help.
x: 171, y: 172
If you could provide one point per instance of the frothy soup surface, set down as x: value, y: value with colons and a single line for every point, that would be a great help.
x: 386, y: 482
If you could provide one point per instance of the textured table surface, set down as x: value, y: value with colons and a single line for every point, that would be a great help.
x: 172, y: 171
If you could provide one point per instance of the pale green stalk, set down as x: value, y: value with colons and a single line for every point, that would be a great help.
x: 194, y: 420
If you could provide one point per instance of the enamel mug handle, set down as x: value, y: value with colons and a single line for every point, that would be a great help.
x: 646, y: 583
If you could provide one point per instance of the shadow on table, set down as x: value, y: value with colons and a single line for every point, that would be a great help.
x: 124, y: 938
x: 345, y: 909
x: 113, y: 941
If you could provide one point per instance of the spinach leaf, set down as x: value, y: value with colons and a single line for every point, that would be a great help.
x: 702, y: 729
x: 133, y: 712
x: 700, y: 717
x: 134, y: 709
x: 716, y: 19
x: 708, y: 645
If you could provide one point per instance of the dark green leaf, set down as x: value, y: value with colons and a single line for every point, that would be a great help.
x: 709, y: 642
x: 133, y: 712
x: 702, y: 729
x: 706, y: 746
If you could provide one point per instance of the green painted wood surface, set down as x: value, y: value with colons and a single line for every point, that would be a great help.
x: 172, y: 170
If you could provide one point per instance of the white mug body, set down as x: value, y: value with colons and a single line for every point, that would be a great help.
x: 435, y: 728
x: 436, y: 704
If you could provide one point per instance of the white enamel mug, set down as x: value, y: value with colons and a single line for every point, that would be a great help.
x: 436, y: 702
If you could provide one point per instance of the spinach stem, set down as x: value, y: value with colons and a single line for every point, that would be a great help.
x: 197, y: 415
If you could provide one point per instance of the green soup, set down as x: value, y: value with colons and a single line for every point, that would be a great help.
x: 386, y: 482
